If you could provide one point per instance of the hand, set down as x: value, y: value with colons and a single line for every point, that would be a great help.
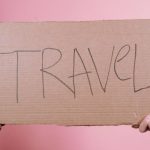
x: 143, y: 124
x: 1, y: 125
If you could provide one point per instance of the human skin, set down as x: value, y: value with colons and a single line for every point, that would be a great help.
x: 143, y: 124
x: 1, y: 125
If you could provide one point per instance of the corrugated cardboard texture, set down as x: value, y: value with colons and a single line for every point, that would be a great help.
x: 75, y: 73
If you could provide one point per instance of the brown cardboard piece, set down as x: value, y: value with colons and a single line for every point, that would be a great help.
x: 75, y: 73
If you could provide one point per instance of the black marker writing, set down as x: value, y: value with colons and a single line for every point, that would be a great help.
x: 44, y: 69
x: 119, y: 59
x: 134, y: 77
x: 17, y: 67
x: 86, y: 73
x: 103, y: 87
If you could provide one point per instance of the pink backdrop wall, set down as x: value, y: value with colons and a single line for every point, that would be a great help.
x: 40, y: 137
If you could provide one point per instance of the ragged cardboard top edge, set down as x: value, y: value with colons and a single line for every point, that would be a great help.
x: 76, y: 21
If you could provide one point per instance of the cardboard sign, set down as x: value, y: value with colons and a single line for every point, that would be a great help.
x: 75, y: 73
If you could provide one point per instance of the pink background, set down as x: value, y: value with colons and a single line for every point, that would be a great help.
x: 46, y: 137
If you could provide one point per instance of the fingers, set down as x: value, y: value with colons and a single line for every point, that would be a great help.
x: 145, y: 124
x: 1, y: 125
